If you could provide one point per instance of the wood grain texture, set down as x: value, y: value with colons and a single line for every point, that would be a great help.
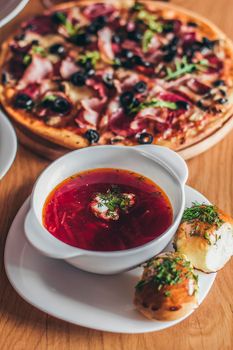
x: 22, y: 327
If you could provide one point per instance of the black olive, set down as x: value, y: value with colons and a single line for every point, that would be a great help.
x: 222, y: 92
x: 145, y: 139
x: 19, y: 37
x: 135, y: 102
x: 58, y: 17
x: 140, y: 87
x: 219, y: 82
x: 23, y: 101
x: 80, y: 39
x: 127, y: 64
x: 87, y: 65
x: 221, y: 101
x: 192, y: 24
x: 35, y: 42
x: 126, y: 98
x: 169, y: 26
x: 60, y: 105
x: 127, y: 53
x: 90, y: 72
x: 189, y: 50
x: 174, y: 41
x: 57, y: 49
x: 92, y: 135
x: 128, y: 101
x: 135, y: 35
x: 182, y: 105
x: 209, y: 44
x: 108, y: 81
x: 170, y: 55
x: 97, y: 24
x: 137, y: 60
x: 47, y: 103
x: 78, y: 79
x: 201, y: 106
x: 147, y: 64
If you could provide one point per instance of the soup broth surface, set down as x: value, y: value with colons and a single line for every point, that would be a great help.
x: 107, y: 210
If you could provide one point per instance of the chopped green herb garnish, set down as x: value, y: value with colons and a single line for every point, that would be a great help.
x: 207, y: 237
x: 153, y: 26
x: 27, y: 60
x: 150, y: 20
x: 159, y: 104
x: 141, y: 284
x: 49, y: 98
x: 40, y: 50
x: 61, y: 17
x: 146, y: 40
x: 204, y: 213
x: 166, y: 272
x: 92, y: 56
x: 183, y: 67
x: 71, y: 29
x: 152, y: 103
x: 114, y: 200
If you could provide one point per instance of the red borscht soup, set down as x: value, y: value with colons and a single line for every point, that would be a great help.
x: 107, y: 210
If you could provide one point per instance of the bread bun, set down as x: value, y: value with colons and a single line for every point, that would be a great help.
x: 205, y: 236
x: 168, y: 288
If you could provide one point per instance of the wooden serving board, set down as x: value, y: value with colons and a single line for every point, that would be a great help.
x: 51, y: 151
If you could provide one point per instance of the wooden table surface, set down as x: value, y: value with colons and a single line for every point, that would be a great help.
x: 210, y: 327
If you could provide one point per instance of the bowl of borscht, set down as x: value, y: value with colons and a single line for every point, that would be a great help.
x: 107, y: 209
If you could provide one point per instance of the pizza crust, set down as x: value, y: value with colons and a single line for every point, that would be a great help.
x: 68, y: 138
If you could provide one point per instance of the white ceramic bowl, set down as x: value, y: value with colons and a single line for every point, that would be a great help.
x: 163, y: 166
x: 10, y: 9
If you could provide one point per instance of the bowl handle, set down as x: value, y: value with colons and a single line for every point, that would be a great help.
x: 46, y: 243
x: 169, y: 159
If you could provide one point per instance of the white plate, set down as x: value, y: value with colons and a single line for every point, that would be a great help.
x: 8, y: 144
x: 94, y: 301
x: 10, y: 9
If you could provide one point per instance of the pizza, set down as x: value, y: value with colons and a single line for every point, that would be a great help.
x: 118, y: 72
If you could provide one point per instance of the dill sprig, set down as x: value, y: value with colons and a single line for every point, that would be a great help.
x: 204, y: 213
x: 113, y: 199
x: 167, y: 272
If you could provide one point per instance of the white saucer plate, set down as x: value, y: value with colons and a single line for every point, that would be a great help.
x: 10, y: 9
x: 94, y: 301
x: 8, y: 144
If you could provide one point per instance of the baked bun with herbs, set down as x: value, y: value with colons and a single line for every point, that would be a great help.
x: 205, y: 236
x: 168, y: 288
